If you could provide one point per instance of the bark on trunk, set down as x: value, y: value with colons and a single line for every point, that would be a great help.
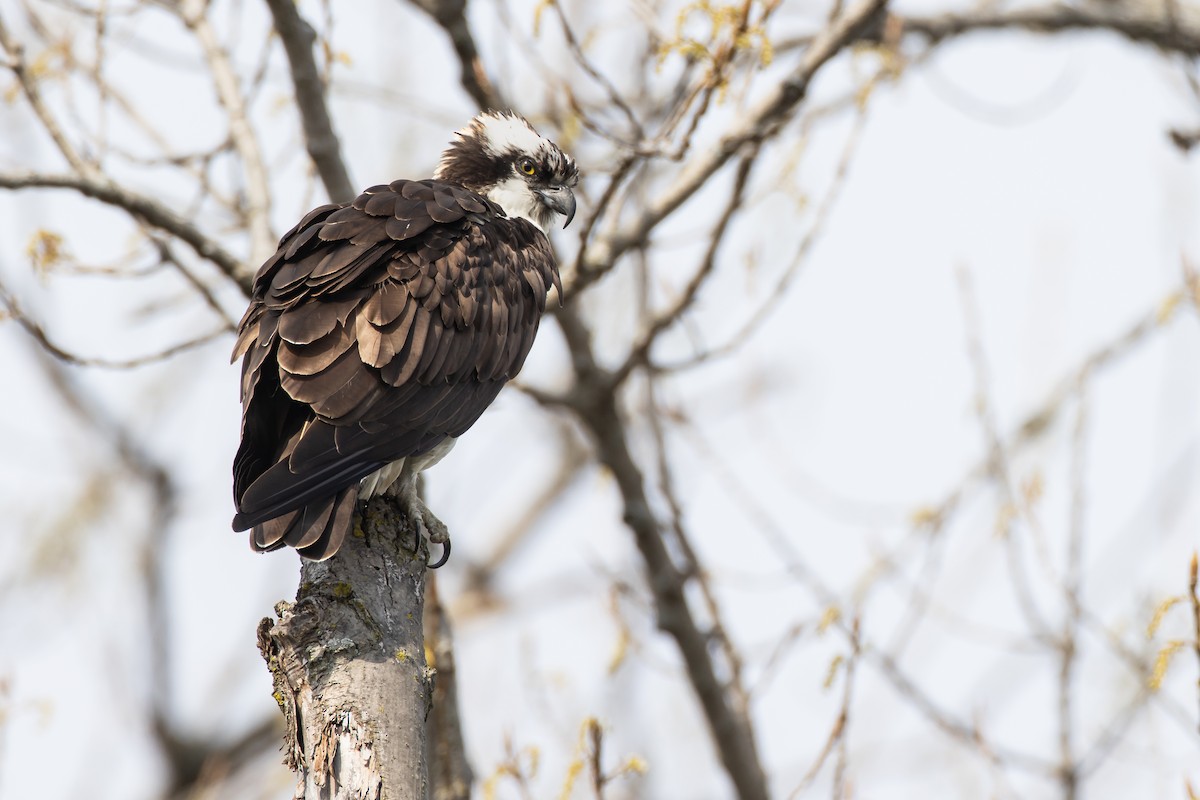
x: 450, y: 773
x: 348, y: 661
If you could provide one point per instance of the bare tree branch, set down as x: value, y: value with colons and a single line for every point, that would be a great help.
x: 450, y: 773
x: 200, y: 765
x: 1184, y: 139
x: 319, y: 137
x: 451, y: 15
x: 142, y: 208
x: 1142, y: 23
x: 783, y: 543
x: 91, y: 180
x: 593, y: 398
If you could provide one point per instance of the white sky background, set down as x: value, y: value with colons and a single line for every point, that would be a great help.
x: 1041, y: 167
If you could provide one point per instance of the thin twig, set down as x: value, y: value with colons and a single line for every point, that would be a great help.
x: 639, y: 353
x: 245, y: 140
x: 1195, y: 602
x: 1096, y: 756
x: 841, y: 764
x: 999, y: 460
x: 625, y: 168
x: 783, y: 542
x: 614, y: 97
x: 594, y: 747
x: 771, y: 304
x: 1073, y: 587
x: 35, y: 330
x: 692, y: 565
x: 167, y: 256
x: 29, y: 87
x: 573, y: 457
x: 762, y: 122
x: 966, y: 734
x: 831, y: 744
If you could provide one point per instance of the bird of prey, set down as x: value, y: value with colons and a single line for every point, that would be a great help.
x: 381, y: 329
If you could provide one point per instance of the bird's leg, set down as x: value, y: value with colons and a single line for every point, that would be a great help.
x: 428, y: 526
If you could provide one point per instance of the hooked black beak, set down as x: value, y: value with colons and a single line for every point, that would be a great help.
x: 560, y: 199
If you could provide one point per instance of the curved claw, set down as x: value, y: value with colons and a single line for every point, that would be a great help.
x: 441, y: 562
x: 428, y: 527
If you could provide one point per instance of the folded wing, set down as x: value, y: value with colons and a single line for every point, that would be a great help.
x: 376, y: 330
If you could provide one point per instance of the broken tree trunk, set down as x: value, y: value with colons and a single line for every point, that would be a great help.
x: 348, y: 662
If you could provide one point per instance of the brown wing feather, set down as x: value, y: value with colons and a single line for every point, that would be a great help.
x: 315, y: 357
x: 376, y: 330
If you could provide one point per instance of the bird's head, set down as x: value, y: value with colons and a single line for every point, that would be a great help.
x: 500, y: 156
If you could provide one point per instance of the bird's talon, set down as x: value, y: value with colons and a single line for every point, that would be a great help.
x: 429, y: 529
x: 445, y: 556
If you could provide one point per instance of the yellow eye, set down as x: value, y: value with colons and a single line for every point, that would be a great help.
x: 527, y: 167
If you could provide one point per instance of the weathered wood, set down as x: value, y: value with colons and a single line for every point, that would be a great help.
x: 348, y: 662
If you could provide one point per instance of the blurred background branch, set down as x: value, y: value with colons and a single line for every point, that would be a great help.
x: 794, y: 486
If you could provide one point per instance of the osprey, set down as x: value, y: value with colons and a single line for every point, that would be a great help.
x: 381, y: 329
